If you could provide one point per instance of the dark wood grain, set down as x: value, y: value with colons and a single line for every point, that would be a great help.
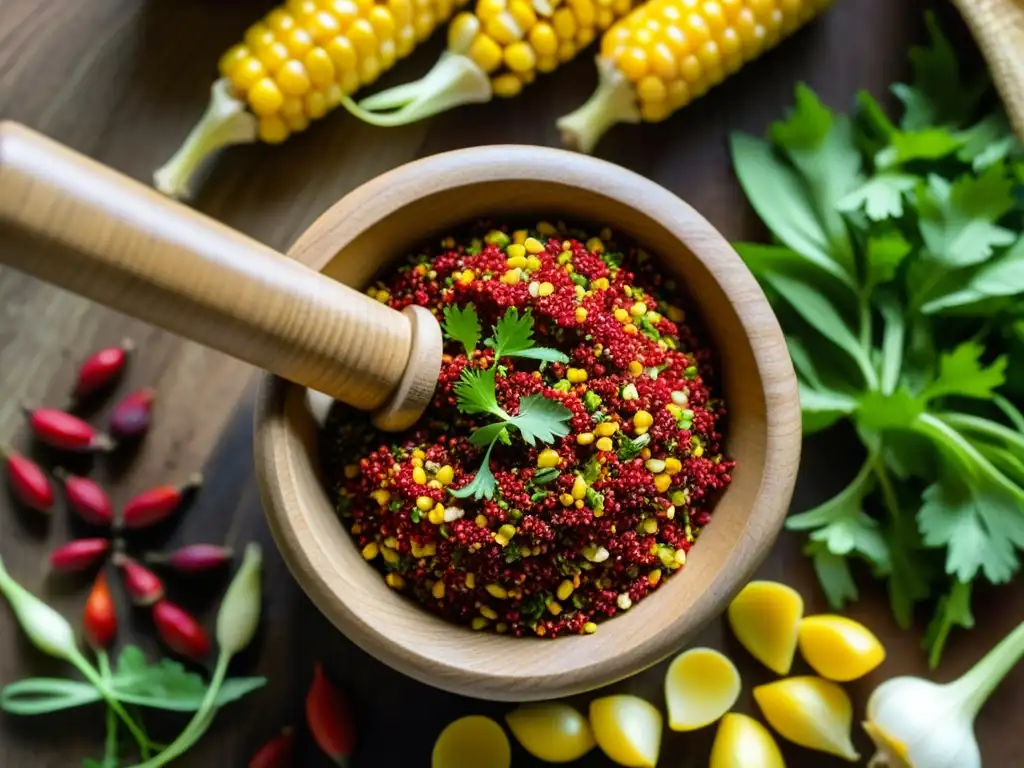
x: 122, y: 81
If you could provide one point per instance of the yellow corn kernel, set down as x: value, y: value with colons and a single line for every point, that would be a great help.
x: 381, y: 496
x: 606, y: 429
x: 590, y: 628
x: 642, y: 419
x: 419, y: 476
x: 621, y: 315
x: 247, y: 73
x: 601, y: 284
x: 273, y: 130
x: 265, y: 98
x: 351, y: 471
x: 445, y: 474
x: 369, y: 70
x: 523, y: 13
x: 654, y: 577
x: 564, y: 23
x: 533, y: 245
x: 437, y: 590
x: 574, y: 375
x: 470, y: 581
x: 543, y: 38
x: 394, y: 580
x: 234, y: 56
x: 605, y: 444
x: 370, y: 551
x: 662, y: 482
x: 462, y: 31
x: 382, y: 22
x: 259, y: 37
x: 436, y: 515
x: 424, y: 503
x: 478, y: 623
x: 497, y: 591
x: 405, y: 41
x: 488, y: 613
x: 585, y: 438
x: 515, y: 262
x: 517, y: 251
x: 481, y: 521
x: 566, y: 499
x: 511, y: 277
x: 673, y: 466
x: 390, y: 556
x: 564, y: 590
x: 319, y: 67
x: 581, y: 314
x: 487, y: 9
x: 554, y: 608
x: 519, y: 57
x: 579, y: 487
x: 293, y: 79
x: 548, y: 458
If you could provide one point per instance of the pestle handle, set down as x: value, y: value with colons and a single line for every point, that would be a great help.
x: 75, y: 223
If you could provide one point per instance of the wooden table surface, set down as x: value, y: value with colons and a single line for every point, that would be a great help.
x: 122, y: 81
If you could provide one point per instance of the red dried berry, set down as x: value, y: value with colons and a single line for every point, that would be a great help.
x: 28, y: 481
x: 131, y: 417
x: 100, y: 620
x: 79, y: 555
x: 193, y: 558
x: 144, y: 587
x: 329, y: 717
x: 279, y: 752
x: 86, y: 498
x: 101, y: 370
x: 179, y: 631
x: 157, y: 504
x: 66, y: 432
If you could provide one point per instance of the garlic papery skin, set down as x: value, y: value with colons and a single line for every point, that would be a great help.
x: 915, y: 723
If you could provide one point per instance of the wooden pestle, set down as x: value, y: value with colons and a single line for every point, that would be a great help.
x: 75, y: 223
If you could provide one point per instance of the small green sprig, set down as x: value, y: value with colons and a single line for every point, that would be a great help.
x: 540, y: 419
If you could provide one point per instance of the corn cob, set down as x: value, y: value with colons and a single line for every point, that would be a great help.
x: 667, y: 53
x: 494, y: 51
x: 294, y: 66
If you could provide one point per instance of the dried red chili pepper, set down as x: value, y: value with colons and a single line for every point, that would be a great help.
x: 329, y: 717
x: 193, y: 558
x: 131, y: 417
x: 144, y: 587
x: 66, y: 432
x: 29, y: 482
x: 101, y: 369
x: 100, y: 620
x: 86, y: 498
x: 157, y: 504
x: 279, y: 752
x: 78, y: 555
x: 179, y: 631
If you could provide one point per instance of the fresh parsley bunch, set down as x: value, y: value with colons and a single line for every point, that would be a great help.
x: 898, y: 275
x: 540, y: 419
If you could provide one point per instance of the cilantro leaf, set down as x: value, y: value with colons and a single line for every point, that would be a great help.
x: 894, y: 334
x: 881, y: 196
x: 978, y: 526
x: 939, y: 94
x: 962, y: 373
x: 820, y: 144
x: 1003, y: 276
x: 878, y: 411
x: 483, y: 485
x: 487, y: 434
x: 463, y: 325
x: 908, y: 582
x: 842, y: 526
x: 782, y: 200
x: 513, y: 337
x: 988, y: 141
x: 957, y: 221
x: 886, y: 250
x: 953, y: 610
x: 475, y: 392
x: 834, y: 575
x: 541, y: 419
x: 926, y: 144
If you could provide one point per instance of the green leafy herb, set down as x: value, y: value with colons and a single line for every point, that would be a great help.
x: 462, y: 325
x: 539, y: 419
x: 898, y: 273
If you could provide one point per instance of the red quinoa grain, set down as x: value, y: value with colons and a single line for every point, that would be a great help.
x: 578, y: 530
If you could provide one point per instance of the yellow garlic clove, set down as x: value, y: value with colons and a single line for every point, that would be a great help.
x: 472, y: 742
x: 627, y: 729
x: 839, y: 648
x: 764, y: 617
x: 742, y: 742
x: 810, y: 711
x: 701, y: 685
x: 552, y: 731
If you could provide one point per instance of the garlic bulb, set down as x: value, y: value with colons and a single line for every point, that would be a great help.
x: 915, y: 723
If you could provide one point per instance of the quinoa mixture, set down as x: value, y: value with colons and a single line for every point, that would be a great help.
x: 579, y: 527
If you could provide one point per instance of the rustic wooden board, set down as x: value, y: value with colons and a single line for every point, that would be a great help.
x: 122, y: 81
